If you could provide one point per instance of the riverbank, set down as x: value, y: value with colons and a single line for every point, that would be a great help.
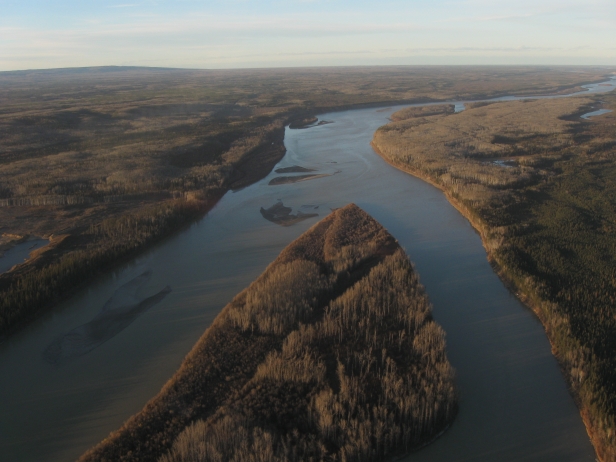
x: 15, y: 249
x: 501, y: 217
x: 94, y: 247
x: 520, y: 292
x: 57, y: 271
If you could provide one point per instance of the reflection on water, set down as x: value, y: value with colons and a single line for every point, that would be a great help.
x: 117, y: 313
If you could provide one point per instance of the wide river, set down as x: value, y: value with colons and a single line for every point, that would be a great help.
x: 514, y: 404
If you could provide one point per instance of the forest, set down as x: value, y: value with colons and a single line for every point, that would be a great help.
x: 539, y: 184
x: 106, y: 161
x: 331, y: 354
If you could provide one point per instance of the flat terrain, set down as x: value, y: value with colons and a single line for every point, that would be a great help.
x: 106, y: 161
x: 539, y: 183
x: 331, y: 354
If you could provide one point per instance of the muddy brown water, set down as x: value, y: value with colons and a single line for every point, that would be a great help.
x: 514, y: 405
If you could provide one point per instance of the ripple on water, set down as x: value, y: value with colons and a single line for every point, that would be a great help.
x: 117, y: 313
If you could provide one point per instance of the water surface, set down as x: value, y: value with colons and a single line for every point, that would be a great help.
x: 513, y: 401
x: 599, y: 112
x: 20, y: 253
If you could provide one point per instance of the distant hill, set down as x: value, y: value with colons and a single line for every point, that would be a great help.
x: 87, y: 70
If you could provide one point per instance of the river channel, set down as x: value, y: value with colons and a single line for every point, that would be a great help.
x: 63, y: 392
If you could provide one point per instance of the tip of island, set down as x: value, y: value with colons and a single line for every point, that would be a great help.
x: 331, y: 354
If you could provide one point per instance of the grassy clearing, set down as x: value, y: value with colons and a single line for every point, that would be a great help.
x: 331, y: 354
x: 539, y: 183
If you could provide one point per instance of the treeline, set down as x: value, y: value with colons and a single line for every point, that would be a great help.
x: 422, y: 111
x: 99, y: 248
x: 168, y: 202
x: 125, y: 171
x: 546, y: 210
x: 331, y: 354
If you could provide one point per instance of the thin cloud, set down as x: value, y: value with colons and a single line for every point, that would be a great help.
x: 209, y: 25
x: 125, y: 5
x: 139, y: 31
x: 509, y: 17
x: 484, y: 49
x: 325, y: 53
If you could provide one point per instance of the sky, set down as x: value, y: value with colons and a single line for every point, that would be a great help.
x: 210, y: 34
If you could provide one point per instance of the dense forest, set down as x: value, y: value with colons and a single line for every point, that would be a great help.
x: 106, y: 161
x: 54, y: 272
x: 331, y: 354
x: 539, y: 183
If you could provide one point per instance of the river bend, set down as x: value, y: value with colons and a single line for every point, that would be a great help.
x: 514, y: 404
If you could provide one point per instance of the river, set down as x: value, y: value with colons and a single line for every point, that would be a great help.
x: 514, y: 404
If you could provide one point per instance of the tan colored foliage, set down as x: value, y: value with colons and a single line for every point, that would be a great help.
x: 331, y: 354
x: 422, y: 111
x: 391, y: 391
x: 540, y: 185
x: 284, y: 296
x: 458, y: 151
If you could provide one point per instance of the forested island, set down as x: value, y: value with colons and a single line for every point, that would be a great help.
x: 331, y: 354
x: 539, y: 184
x: 107, y: 161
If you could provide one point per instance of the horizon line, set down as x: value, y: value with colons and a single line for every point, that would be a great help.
x: 350, y: 66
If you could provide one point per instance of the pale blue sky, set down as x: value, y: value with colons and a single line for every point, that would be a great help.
x: 257, y: 33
